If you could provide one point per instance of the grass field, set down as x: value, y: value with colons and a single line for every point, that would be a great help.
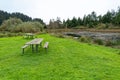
x: 66, y: 59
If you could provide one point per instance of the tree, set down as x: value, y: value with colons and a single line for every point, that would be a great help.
x: 38, y: 20
x: 117, y: 17
x: 3, y: 16
x: 55, y: 24
x: 79, y: 21
x: 93, y: 16
x: 74, y: 22
x: 107, y: 18
x: 64, y: 23
x: 68, y: 23
x: 10, y: 24
x: 84, y: 20
x: 100, y: 19
x: 21, y: 16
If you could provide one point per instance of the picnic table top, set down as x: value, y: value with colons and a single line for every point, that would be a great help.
x: 35, y: 41
x: 29, y: 34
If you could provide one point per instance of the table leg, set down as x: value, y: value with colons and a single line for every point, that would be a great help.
x: 32, y: 47
x: 36, y: 47
x: 41, y: 44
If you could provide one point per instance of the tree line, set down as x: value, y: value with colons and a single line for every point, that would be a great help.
x: 19, y: 22
x: 89, y: 21
x: 5, y: 16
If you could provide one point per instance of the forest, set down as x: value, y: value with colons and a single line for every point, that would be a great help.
x: 109, y: 20
x: 5, y: 15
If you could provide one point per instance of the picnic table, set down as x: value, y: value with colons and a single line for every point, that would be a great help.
x: 29, y: 35
x: 35, y: 43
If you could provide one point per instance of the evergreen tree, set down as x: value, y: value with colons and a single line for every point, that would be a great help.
x: 117, y: 17
x: 84, y: 20
x: 74, y: 22
x: 3, y: 16
x: 107, y: 18
x: 79, y: 21
x: 39, y: 20
x: 21, y: 16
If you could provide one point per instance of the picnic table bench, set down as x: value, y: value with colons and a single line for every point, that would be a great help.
x: 23, y: 47
x: 46, y: 45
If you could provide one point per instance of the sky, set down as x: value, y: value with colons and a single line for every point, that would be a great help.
x: 51, y: 9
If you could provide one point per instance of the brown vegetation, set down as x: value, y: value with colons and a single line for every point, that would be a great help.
x: 77, y: 30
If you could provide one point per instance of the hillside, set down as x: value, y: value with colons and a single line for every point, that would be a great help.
x: 66, y: 59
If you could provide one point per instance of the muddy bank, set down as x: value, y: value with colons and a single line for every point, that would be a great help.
x: 96, y: 35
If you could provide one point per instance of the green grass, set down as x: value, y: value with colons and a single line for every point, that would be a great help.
x: 66, y: 59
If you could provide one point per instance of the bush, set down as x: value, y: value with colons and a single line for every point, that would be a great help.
x: 108, y: 43
x: 10, y: 24
x: 9, y: 34
x: 101, y: 26
x: 29, y: 27
x: 85, y: 39
x: 106, y: 25
x: 112, y: 43
x: 99, y: 41
x: 119, y: 53
x: 16, y: 25
x: 58, y: 35
x: 2, y: 35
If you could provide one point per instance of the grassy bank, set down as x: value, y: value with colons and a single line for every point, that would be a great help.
x: 66, y: 59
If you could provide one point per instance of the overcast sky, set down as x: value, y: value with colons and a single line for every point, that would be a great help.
x: 49, y: 9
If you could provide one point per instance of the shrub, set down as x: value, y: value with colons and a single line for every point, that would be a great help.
x: 101, y: 26
x: 2, y: 35
x: 112, y: 43
x: 85, y: 39
x: 9, y: 34
x: 10, y: 24
x: 119, y: 53
x: 108, y: 43
x: 106, y: 25
x: 99, y: 41
x: 29, y: 27
x: 58, y: 35
x: 16, y: 25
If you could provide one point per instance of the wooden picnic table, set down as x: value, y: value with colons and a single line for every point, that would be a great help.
x: 29, y: 35
x: 35, y: 43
